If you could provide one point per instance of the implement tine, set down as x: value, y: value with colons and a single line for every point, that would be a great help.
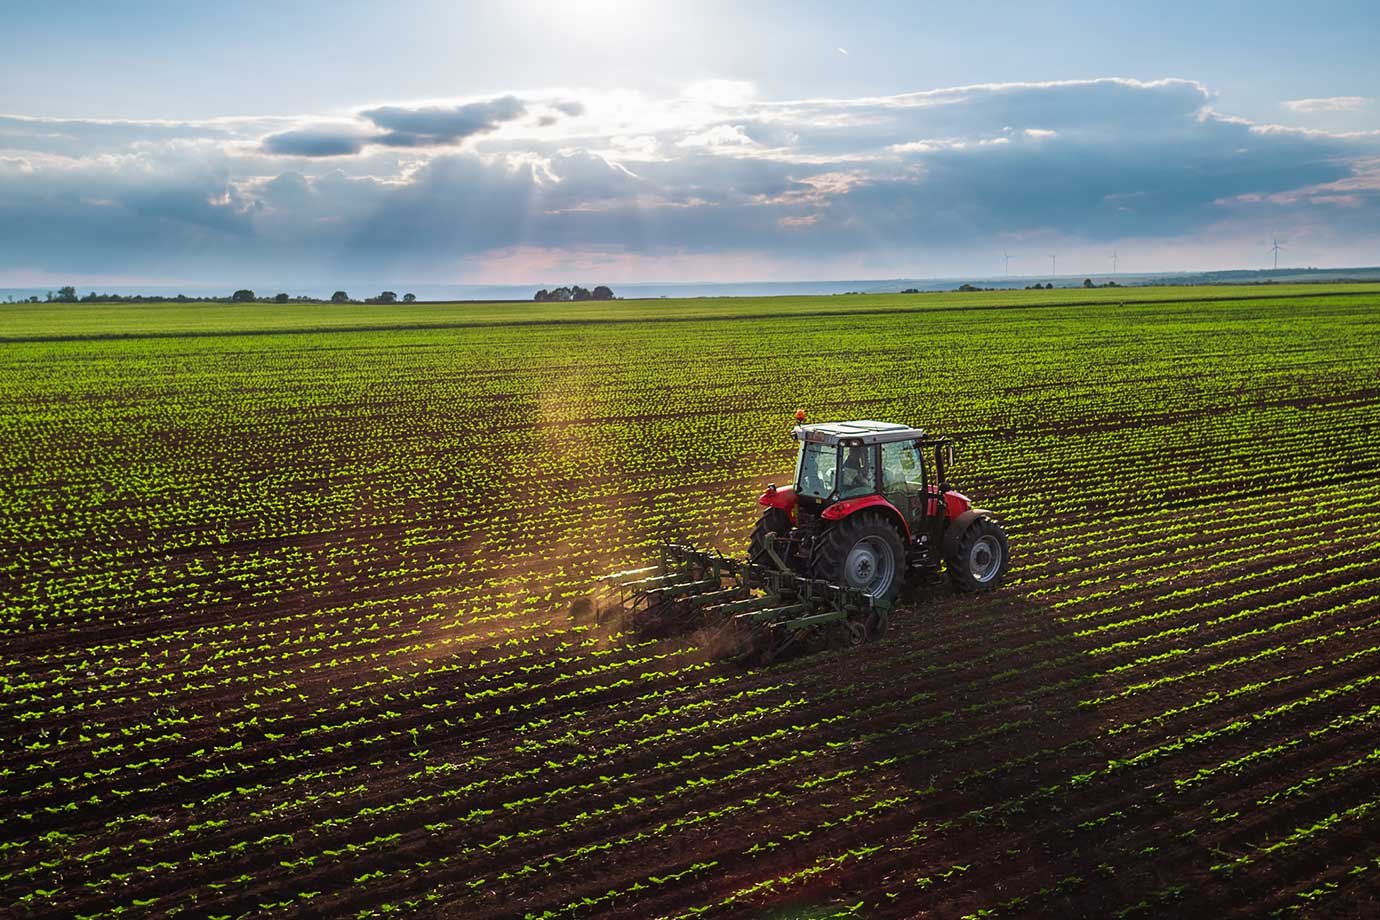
x: 620, y: 577
x: 723, y: 595
x: 733, y: 608
x: 681, y: 587
x: 651, y: 582
x: 771, y: 614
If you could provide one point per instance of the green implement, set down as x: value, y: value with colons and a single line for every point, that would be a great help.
x: 767, y: 610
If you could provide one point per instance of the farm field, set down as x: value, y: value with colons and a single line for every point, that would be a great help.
x: 286, y: 612
x: 35, y: 322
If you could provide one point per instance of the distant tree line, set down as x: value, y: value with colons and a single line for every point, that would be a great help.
x: 574, y: 292
x: 68, y: 294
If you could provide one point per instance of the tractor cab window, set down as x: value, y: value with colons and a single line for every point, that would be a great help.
x: 816, y: 470
x: 903, y: 479
x: 858, y: 471
x: 902, y: 469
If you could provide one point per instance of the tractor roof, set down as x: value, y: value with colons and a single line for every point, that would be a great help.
x: 863, y: 432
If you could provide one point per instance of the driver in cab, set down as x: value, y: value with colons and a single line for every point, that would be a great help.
x: 857, y: 473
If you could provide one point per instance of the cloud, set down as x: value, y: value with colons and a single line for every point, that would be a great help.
x: 433, y: 126
x: 719, y: 136
x: 1328, y: 104
x: 409, y: 127
x: 903, y: 184
x: 324, y: 141
x: 85, y: 137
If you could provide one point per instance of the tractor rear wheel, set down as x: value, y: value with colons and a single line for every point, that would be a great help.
x: 773, y: 520
x: 864, y: 552
x: 980, y: 558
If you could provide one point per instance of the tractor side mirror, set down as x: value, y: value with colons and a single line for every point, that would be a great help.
x: 949, y: 460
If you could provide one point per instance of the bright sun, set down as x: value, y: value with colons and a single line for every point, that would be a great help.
x: 586, y: 18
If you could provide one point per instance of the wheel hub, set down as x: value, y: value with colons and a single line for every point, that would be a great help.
x: 984, y: 559
x: 869, y: 566
x: 861, y: 564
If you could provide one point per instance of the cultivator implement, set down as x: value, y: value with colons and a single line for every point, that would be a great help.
x: 765, y: 611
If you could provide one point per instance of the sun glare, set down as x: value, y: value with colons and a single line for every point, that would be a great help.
x: 586, y: 19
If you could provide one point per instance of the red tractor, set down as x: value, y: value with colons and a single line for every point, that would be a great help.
x: 831, y: 552
x: 867, y: 509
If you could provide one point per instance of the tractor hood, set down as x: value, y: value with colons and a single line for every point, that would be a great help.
x: 783, y: 498
x: 955, y: 503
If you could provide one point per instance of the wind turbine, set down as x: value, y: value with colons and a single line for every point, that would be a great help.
x: 1113, y: 261
x: 1053, y: 265
x: 1007, y: 256
x: 1275, y: 249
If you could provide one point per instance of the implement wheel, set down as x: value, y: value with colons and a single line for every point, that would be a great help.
x: 981, y: 557
x: 864, y: 552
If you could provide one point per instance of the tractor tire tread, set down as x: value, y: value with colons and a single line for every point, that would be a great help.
x: 773, y: 520
x: 840, y: 539
x: 957, y: 562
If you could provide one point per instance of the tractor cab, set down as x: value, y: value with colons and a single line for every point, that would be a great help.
x: 870, y: 501
x: 875, y: 464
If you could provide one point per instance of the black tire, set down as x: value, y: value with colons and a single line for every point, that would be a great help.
x: 773, y: 520
x: 869, y: 533
x: 981, y: 558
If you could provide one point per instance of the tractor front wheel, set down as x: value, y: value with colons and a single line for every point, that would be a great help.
x: 772, y: 521
x: 864, y: 552
x: 980, y: 558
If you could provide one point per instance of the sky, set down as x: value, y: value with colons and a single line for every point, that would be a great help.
x: 607, y: 141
